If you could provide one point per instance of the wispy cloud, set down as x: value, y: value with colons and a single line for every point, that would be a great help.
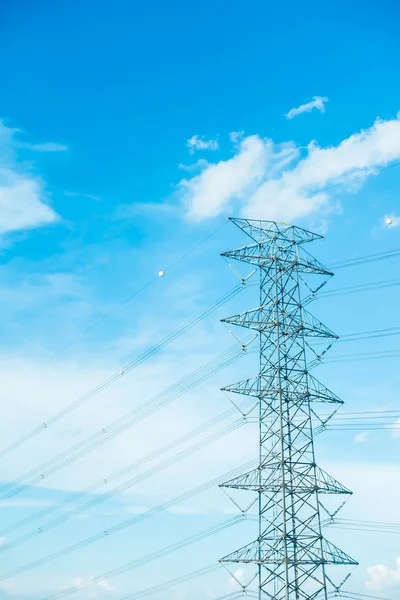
x: 396, y: 429
x: 272, y: 181
x: 93, y: 583
x: 235, y: 136
x: 80, y: 195
x: 200, y: 143
x: 317, y: 102
x: 46, y: 147
x: 361, y: 437
x: 202, y: 163
x: 24, y: 203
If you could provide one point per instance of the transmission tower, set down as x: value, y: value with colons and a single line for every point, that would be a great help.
x: 290, y: 556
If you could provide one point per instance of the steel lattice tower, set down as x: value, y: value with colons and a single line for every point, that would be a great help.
x: 291, y: 557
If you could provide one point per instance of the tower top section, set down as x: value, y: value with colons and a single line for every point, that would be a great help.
x: 265, y: 231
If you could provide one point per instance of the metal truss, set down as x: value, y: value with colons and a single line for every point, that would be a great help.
x: 290, y: 556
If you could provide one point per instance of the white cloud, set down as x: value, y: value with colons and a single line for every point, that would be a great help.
x: 261, y: 180
x: 23, y: 503
x: 235, y: 136
x: 396, y: 429
x: 199, y: 143
x: 137, y: 510
x: 78, y: 195
x: 23, y: 200
x: 202, y: 163
x: 361, y: 437
x: 46, y: 147
x: 383, y: 577
x: 216, y: 187
x: 93, y: 585
x: 317, y: 102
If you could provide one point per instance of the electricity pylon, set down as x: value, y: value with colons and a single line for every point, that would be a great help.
x: 290, y: 555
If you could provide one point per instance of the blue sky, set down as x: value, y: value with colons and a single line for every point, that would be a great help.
x: 129, y: 132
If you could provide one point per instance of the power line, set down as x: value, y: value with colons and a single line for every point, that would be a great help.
x: 378, y: 413
x: 363, y: 525
x: 364, y: 335
x: 122, y: 487
x: 173, y: 582
x: 361, y: 260
x: 150, y: 557
x: 140, y: 462
x: 362, y: 356
x: 134, y: 294
x: 122, y: 423
x: 119, y: 473
x: 119, y: 527
x: 387, y: 283
x: 146, y: 355
x: 126, y: 369
x: 358, y: 596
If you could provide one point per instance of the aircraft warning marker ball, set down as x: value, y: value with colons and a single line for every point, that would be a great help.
x: 389, y: 221
x: 161, y: 273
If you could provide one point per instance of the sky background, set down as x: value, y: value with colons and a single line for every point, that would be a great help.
x: 129, y: 132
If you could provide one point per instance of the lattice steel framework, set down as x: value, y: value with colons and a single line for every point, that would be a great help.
x: 291, y: 557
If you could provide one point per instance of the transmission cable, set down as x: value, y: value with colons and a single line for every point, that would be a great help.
x: 150, y: 352
x: 362, y: 356
x: 368, y: 526
x: 358, y: 288
x: 172, y: 582
x: 122, y: 487
x: 358, y: 596
x: 134, y: 294
x: 364, y: 335
x: 156, y: 453
x: 143, y: 560
x: 122, y: 423
x: 124, y: 524
x: 361, y: 260
x: 125, y: 470
x: 126, y: 369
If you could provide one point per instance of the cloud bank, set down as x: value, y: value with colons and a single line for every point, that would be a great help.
x: 265, y: 180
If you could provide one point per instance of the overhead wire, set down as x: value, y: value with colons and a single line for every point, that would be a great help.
x: 135, y: 293
x: 354, y: 289
x: 349, y: 263
x: 364, y: 335
x: 124, y: 524
x: 151, y: 557
x: 362, y: 356
x: 122, y: 471
x: 365, y: 526
x: 362, y: 260
x: 358, y: 596
x: 147, y: 354
x: 142, y: 461
x: 370, y: 257
x: 125, y: 485
x: 121, y: 424
x: 173, y: 582
x: 126, y: 369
